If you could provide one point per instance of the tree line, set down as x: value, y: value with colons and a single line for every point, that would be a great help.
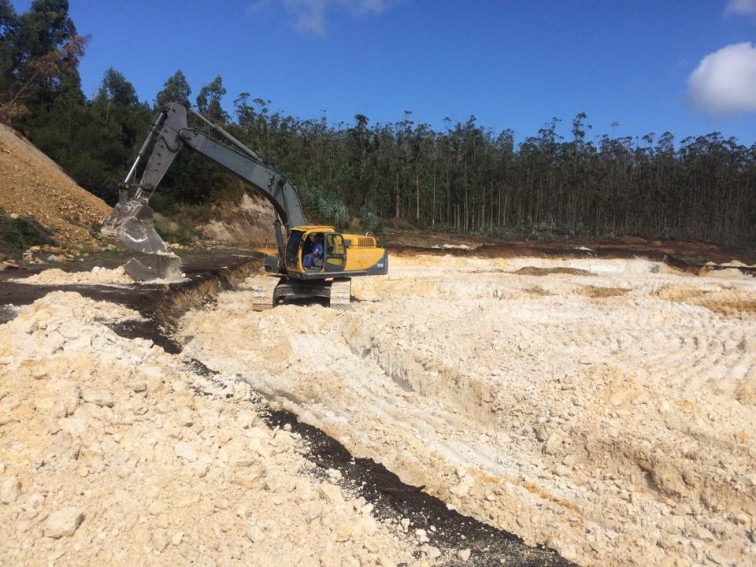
x: 463, y: 177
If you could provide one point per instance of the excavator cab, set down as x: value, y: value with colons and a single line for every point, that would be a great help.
x: 344, y: 255
x: 301, y: 244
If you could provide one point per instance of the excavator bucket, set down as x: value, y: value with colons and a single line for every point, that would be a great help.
x: 155, y: 267
x: 132, y: 225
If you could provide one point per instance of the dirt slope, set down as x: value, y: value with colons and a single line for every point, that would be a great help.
x: 33, y: 186
x: 246, y: 224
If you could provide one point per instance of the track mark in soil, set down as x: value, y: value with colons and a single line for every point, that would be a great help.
x: 534, y: 271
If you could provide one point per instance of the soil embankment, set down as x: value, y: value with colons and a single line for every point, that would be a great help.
x: 33, y: 187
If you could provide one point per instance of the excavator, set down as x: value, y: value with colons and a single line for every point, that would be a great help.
x: 297, y: 271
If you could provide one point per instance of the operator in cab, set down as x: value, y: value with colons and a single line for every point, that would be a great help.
x: 315, y: 247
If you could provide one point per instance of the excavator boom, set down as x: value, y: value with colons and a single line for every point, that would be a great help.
x: 131, y: 224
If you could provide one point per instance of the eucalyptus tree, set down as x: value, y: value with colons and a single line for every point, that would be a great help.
x: 39, y: 56
x: 175, y: 88
x: 209, y: 101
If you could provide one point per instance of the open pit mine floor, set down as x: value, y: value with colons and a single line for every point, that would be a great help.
x: 465, y: 410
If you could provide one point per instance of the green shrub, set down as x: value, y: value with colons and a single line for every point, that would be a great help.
x: 371, y: 222
x: 174, y: 231
x: 21, y: 234
x: 326, y: 208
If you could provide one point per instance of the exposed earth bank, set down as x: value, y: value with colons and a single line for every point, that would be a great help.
x: 32, y: 186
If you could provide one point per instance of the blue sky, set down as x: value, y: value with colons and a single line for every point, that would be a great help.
x: 687, y: 66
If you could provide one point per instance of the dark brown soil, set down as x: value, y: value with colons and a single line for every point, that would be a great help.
x: 394, y: 499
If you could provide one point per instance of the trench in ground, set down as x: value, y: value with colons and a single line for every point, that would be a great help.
x: 163, y: 305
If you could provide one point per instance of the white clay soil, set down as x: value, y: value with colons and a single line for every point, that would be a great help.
x: 603, y: 408
x: 113, y: 452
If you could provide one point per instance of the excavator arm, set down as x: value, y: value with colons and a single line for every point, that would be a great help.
x: 131, y: 222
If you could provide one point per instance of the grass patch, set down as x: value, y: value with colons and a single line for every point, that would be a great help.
x: 537, y: 290
x: 731, y: 308
x: 17, y: 234
x: 594, y: 291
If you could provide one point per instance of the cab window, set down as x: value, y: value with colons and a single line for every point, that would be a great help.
x: 292, y: 249
x: 335, y: 252
x: 334, y: 245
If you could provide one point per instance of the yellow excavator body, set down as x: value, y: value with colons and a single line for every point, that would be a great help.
x: 343, y: 254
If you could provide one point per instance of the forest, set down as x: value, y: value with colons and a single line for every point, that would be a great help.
x: 464, y: 177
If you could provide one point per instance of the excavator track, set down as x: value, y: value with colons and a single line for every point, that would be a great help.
x: 341, y: 293
x: 268, y: 291
x: 264, y: 293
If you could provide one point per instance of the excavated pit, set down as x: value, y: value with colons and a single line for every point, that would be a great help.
x: 400, y: 357
x: 163, y: 305
x: 394, y: 500
x: 206, y: 275
x: 445, y: 528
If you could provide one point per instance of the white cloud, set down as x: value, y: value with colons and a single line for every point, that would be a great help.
x: 741, y: 7
x: 310, y: 15
x: 259, y: 6
x: 724, y: 83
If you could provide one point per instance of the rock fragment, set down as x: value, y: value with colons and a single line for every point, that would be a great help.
x: 10, y: 490
x: 64, y: 523
x: 185, y: 451
x: 100, y: 397
x: 160, y: 540
x: 331, y: 494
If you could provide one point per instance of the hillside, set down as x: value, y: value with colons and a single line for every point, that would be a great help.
x: 33, y: 187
